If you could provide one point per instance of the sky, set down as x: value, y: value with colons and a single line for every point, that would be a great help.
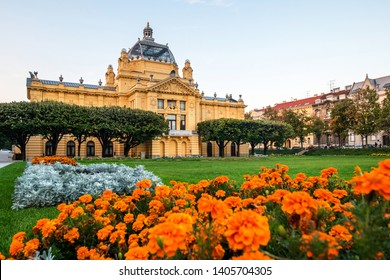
x: 268, y: 51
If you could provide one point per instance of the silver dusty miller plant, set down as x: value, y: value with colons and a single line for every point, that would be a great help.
x: 48, y: 185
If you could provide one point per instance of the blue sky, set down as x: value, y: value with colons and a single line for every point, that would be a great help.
x: 267, y: 51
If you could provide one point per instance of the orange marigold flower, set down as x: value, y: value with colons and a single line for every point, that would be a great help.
x: 215, y: 207
x: 137, y: 253
x: 48, y: 228
x: 138, y: 225
x: 233, y: 202
x: 218, y: 252
x: 372, y: 181
x: 121, y: 206
x: 300, y: 177
x: 252, y: 255
x: 328, y: 172
x: 300, y: 203
x: 128, y: 218
x: 277, y: 196
x: 82, y: 253
x: 103, y: 233
x: 108, y: 195
x: 247, y: 230
x: 180, y: 202
x: 167, y: 238
x: 39, y: 225
x: 87, y: 198
x: 220, y: 180
x: 163, y: 191
x: 323, y: 194
x: 20, y: 236
x: 384, y: 166
x: 31, y: 248
x: 2, y: 257
x: 16, y: 247
x: 340, y: 193
x: 181, y: 218
x: 78, y: 211
x: 72, y: 235
x: 144, y: 184
x: 220, y: 193
x: 341, y: 233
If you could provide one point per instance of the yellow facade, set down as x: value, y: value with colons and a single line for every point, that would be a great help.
x: 147, y: 78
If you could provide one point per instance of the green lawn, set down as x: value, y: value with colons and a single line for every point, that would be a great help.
x: 188, y: 170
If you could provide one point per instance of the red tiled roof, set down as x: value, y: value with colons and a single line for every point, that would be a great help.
x: 296, y: 103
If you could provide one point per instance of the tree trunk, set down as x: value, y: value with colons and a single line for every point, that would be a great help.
x: 22, y: 148
x: 238, y: 150
x: 221, y: 148
x: 265, y: 148
x: 252, y: 149
x: 126, y: 149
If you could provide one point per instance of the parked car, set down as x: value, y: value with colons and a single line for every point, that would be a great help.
x: 6, y: 155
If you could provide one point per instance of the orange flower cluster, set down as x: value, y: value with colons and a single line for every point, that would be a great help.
x: 312, y: 216
x: 53, y: 159
x: 376, y: 181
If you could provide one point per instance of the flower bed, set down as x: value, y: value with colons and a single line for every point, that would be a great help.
x: 50, y: 184
x: 270, y: 216
x: 53, y: 159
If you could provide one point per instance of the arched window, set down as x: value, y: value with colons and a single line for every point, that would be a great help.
x: 209, y: 149
x: 173, y: 73
x: 108, y: 150
x: 90, y: 149
x: 233, y: 150
x: 48, y: 149
x: 70, y: 149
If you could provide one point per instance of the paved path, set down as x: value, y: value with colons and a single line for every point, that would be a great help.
x: 2, y: 164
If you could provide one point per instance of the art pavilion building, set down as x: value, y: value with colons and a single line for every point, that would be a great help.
x: 147, y: 78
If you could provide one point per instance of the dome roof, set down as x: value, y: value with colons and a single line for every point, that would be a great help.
x: 148, y: 49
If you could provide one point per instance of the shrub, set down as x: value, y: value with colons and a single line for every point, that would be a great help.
x: 50, y: 184
x: 271, y: 216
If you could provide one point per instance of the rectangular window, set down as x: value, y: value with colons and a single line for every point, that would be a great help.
x: 373, y: 137
x: 160, y: 103
x: 352, y: 137
x: 182, y: 105
x: 172, y: 122
x: 183, y: 122
x: 172, y: 104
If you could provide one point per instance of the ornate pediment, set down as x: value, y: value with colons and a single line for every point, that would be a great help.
x: 173, y: 86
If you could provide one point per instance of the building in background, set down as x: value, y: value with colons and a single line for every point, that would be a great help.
x: 147, y: 78
x: 320, y: 106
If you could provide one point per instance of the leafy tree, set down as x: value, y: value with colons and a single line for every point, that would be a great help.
x: 366, y: 110
x: 138, y: 126
x: 254, y: 131
x: 317, y: 128
x: 18, y: 122
x: 282, y: 132
x: 5, y: 142
x: 384, y: 120
x: 53, y: 119
x: 105, y: 126
x: 271, y: 114
x: 218, y: 130
x: 79, y: 124
x: 248, y: 116
x: 299, y: 122
x: 342, y: 115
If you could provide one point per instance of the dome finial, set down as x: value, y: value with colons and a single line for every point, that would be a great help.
x: 148, y: 33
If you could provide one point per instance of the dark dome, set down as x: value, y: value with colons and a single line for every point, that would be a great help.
x: 148, y: 49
